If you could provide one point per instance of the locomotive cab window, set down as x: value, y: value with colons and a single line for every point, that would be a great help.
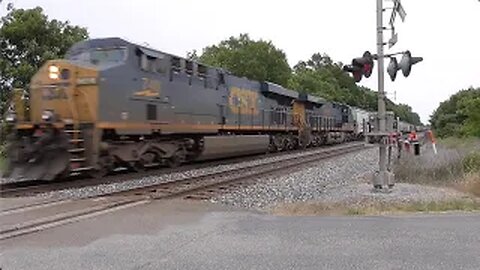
x: 98, y: 56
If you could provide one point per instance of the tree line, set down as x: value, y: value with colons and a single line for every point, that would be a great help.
x: 28, y: 38
x: 459, y: 115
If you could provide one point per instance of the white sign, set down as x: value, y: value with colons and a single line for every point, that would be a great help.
x: 393, y: 40
x: 398, y: 8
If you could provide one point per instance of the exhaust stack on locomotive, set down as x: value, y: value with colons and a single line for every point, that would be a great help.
x: 111, y: 103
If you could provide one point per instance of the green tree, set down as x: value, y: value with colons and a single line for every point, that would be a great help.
x: 405, y: 113
x: 28, y: 38
x: 459, y: 115
x: 471, y: 108
x: 257, y: 60
x: 321, y: 76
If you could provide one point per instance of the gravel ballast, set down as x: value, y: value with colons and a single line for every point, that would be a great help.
x: 344, y: 179
x: 102, y: 189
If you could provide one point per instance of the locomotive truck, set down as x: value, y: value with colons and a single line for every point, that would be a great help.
x: 112, y: 103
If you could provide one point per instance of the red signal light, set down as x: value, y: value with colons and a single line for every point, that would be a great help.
x: 367, y: 70
x: 357, y: 75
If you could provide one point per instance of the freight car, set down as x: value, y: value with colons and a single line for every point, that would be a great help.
x: 111, y: 103
x: 405, y: 127
x: 361, y: 120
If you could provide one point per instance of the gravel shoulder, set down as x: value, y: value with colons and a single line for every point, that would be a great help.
x: 340, y: 180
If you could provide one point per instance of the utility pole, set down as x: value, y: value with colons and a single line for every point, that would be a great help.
x: 363, y: 66
x: 379, y: 180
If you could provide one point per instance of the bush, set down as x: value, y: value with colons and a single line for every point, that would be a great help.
x: 441, y: 169
x: 472, y: 184
x: 3, y: 150
x: 2, y: 158
x: 471, y: 162
x: 457, y: 164
x: 467, y: 144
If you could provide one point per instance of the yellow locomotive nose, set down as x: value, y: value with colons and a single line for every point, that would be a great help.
x: 66, y: 89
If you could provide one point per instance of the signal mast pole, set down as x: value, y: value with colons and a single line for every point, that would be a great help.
x: 380, y: 180
x: 363, y: 66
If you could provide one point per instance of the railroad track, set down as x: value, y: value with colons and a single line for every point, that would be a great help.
x: 32, y: 188
x: 197, y: 187
x: 205, y: 186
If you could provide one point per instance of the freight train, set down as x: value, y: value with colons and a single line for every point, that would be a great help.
x: 111, y: 103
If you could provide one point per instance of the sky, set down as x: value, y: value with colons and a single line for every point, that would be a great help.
x: 446, y: 33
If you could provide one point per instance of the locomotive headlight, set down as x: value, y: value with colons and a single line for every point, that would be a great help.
x: 11, y: 118
x: 47, y: 115
x: 53, y: 69
x: 53, y: 72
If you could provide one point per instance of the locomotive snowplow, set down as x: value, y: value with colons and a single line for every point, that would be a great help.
x: 42, y: 156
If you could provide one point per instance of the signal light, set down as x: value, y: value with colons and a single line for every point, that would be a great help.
x: 405, y: 65
x: 356, y: 72
x: 407, y: 62
x: 392, y: 68
x: 362, y: 66
x: 366, y: 62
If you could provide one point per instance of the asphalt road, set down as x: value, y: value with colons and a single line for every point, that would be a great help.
x: 240, y: 240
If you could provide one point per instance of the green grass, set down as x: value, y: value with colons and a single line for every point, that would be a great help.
x: 377, y: 208
x: 471, y: 162
x: 460, y: 143
x: 3, y: 164
x: 3, y: 161
x: 415, y: 207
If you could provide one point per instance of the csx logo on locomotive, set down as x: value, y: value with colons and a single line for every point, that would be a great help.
x: 243, y: 101
x: 150, y: 88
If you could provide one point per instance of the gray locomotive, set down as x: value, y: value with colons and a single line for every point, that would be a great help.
x: 111, y: 103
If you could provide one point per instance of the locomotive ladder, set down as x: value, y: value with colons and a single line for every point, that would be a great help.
x: 76, y: 148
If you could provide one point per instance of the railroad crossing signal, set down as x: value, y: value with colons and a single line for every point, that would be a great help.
x: 405, y: 65
x: 362, y: 66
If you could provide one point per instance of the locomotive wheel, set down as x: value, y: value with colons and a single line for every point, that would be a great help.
x: 104, y: 167
x: 146, y: 161
x: 272, y: 148
x: 100, y: 172
x: 175, y: 160
x: 280, y: 143
x: 290, y: 143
